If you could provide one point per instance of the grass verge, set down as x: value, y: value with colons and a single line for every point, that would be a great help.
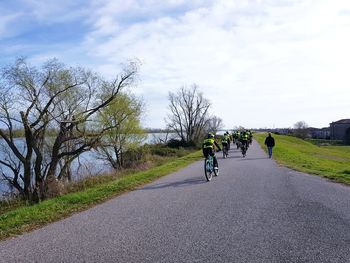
x: 27, y: 218
x: 332, y: 162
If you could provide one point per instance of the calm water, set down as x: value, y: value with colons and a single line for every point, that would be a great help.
x: 88, y: 164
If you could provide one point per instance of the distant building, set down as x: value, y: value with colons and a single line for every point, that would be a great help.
x: 340, y: 130
x: 283, y: 131
x: 323, y: 133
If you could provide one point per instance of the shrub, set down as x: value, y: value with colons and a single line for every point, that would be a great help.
x: 135, y: 156
x: 174, y: 143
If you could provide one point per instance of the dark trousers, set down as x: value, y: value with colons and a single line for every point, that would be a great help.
x: 245, y: 142
x: 209, y: 151
x: 225, y: 144
x: 269, y: 150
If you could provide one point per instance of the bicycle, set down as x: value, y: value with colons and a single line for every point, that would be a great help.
x: 244, y: 149
x: 224, y: 151
x: 209, y: 169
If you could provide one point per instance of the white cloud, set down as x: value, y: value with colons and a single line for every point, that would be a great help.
x: 6, y: 21
x: 253, y: 59
x: 52, y: 11
x: 260, y: 62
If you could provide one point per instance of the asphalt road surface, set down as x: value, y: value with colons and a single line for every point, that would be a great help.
x: 254, y: 211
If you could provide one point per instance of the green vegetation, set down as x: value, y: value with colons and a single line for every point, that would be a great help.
x: 7, y: 205
x: 124, y: 114
x: 61, y: 106
x: 324, y: 142
x: 332, y: 162
x: 26, y: 218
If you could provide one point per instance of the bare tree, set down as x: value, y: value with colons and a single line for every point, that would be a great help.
x: 301, y: 129
x: 215, y: 124
x: 56, y: 107
x: 188, y: 114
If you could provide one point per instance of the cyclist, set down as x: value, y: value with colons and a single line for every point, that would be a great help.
x: 225, y: 141
x: 236, y: 138
x: 250, y: 137
x: 208, y: 148
x: 244, y: 139
x: 229, y: 139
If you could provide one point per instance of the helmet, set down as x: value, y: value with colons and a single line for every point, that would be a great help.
x: 210, y: 135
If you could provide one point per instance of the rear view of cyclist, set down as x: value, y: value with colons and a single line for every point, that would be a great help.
x: 229, y: 139
x: 250, y: 137
x: 244, y: 139
x: 208, y: 148
x: 225, y: 141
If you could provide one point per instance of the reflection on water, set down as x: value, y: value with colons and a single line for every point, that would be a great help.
x: 88, y: 163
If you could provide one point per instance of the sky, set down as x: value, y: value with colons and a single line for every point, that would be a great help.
x: 261, y: 63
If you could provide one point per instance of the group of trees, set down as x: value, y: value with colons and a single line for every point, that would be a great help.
x: 62, y: 112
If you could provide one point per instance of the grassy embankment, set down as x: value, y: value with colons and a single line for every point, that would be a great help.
x: 332, y: 162
x: 27, y: 218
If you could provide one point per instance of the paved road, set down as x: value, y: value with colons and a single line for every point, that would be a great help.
x: 255, y: 211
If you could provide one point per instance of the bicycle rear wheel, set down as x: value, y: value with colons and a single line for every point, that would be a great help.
x: 244, y: 151
x: 207, y: 170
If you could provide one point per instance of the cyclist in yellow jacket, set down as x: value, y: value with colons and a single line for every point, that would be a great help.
x: 225, y: 141
x: 208, y: 148
x: 244, y: 139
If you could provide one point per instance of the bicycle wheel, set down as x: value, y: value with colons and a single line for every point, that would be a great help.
x: 244, y: 152
x: 208, y: 170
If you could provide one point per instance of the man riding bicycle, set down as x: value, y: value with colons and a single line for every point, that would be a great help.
x: 229, y: 139
x: 208, y: 148
x: 250, y: 137
x: 225, y: 141
x: 244, y: 139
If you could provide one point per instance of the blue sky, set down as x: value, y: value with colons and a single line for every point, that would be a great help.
x: 262, y: 63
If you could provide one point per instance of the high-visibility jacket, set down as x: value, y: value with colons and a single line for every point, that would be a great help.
x: 244, y: 137
x: 209, y: 143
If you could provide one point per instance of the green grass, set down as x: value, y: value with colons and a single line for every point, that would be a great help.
x: 28, y: 218
x: 332, y: 162
x: 324, y: 142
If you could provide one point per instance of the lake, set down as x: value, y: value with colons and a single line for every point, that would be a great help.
x: 88, y: 164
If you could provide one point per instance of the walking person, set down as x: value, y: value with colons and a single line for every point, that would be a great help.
x: 270, y: 143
